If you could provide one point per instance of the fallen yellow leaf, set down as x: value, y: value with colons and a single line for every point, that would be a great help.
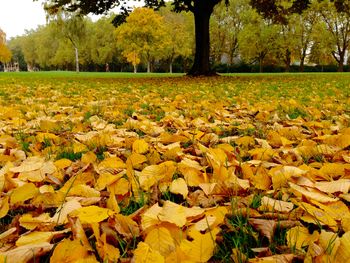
x: 179, y: 186
x: 160, y: 239
x: 92, y: 214
x: 140, y: 146
x: 23, y: 193
x: 145, y: 254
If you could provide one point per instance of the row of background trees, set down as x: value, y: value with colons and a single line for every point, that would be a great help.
x: 241, y: 40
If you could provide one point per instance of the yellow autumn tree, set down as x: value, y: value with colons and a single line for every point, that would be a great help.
x: 2, y: 36
x: 143, y: 35
x: 133, y: 58
x: 5, y: 53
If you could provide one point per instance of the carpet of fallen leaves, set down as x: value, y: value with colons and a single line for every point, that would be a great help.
x: 233, y: 169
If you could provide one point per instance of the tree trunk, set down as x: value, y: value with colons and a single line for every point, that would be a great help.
x: 135, y: 68
x: 261, y: 60
x: 341, y: 64
x: 76, y: 59
x: 301, y: 66
x: 288, y: 60
x: 202, y: 11
x: 171, y: 67
x: 148, y: 66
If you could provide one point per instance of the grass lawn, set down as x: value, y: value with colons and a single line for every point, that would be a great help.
x: 243, y: 167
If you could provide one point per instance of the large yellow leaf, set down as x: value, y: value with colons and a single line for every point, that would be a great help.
x: 34, y: 238
x: 83, y: 190
x: 299, y: 237
x: 201, y: 249
x: 69, y: 251
x: 153, y: 174
x: 213, y: 218
x: 333, y: 170
x: 23, y: 193
x: 270, y: 204
x: 173, y: 213
x: 29, y: 222
x: 319, y: 215
x: 121, y: 187
x: 4, y: 206
x: 106, y: 179
x: 32, y: 176
x: 341, y: 185
x: 26, y: 253
x: 111, y: 163
x: 216, y: 157
x: 48, y: 199
x: 160, y: 239
x: 149, y: 176
x: 330, y: 242
x: 261, y: 179
x: 318, y: 196
x: 88, y: 157
x: 136, y: 159
x: 179, y: 186
x: 62, y: 212
x: 150, y: 217
x: 343, y: 252
x: 110, y: 253
x: 126, y: 226
x: 30, y: 164
x: 281, y: 174
x: 106, y: 251
x: 140, y: 146
x: 337, y: 210
x: 262, y: 154
x: 92, y: 214
x: 193, y: 177
x: 206, y: 223
x: 177, y: 256
x: 145, y: 254
x: 62, y: 163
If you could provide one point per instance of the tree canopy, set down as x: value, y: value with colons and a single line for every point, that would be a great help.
x: 202, y: 10
x: 275, y: 10
x: 5, y: 53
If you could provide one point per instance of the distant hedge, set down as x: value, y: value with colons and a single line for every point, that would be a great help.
x: 245, y: 68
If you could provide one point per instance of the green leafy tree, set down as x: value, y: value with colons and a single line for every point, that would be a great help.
x: 337, y: 33
x: 201, y: 9
x: 257, y: 39
x: 101, y: 41
x: 17, y: 54
x: 284, y: 44
x: 143, y: 34
x: 226, y: 24
x: 28, y: 45
x: 304, y: 35
x: 46, y: 43
x: 178, y: 39
x: 73, y: 28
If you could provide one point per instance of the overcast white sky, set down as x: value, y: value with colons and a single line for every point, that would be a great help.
x: 18, y: 15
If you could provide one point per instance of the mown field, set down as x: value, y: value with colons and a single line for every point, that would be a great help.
x: 110, y: 168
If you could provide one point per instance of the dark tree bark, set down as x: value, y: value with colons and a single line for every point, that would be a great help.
x: 302, y: 60
x: 288, y: 60
x: 340, y: 59
x: 202, y: 11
